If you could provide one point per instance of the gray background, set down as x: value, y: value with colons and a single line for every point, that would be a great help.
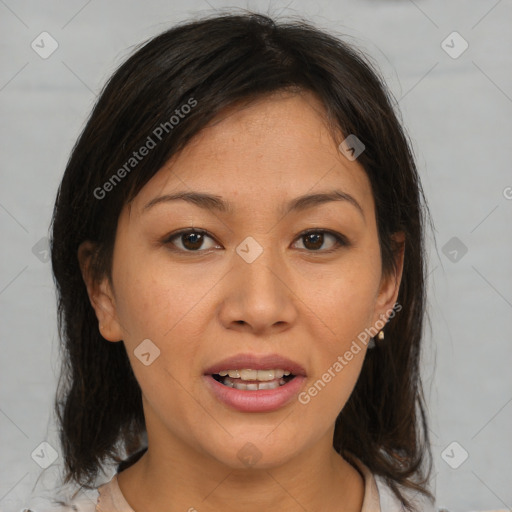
x: 458, y: 112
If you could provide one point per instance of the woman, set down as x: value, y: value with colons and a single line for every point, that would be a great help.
x: 238, y: 250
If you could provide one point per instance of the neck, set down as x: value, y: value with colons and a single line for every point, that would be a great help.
x: 318, y: 479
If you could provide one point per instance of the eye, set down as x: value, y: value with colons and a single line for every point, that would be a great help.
x: 191, y: 240
x: 314, y: 239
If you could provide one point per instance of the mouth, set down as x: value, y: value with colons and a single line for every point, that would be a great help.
x: 249, y: 379
x: 251, y: 383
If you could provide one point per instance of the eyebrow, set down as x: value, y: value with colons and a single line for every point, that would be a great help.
x: 216, y: 203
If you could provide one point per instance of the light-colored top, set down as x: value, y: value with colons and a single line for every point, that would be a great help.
x: 108, y: 497
x: 378, y: 497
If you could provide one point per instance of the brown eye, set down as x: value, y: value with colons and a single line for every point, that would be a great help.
x: 314, y: 240
x: 191, y: 240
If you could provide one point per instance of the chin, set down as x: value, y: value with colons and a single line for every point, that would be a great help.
x: 254, y: 451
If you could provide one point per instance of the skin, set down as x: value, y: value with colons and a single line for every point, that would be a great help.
x: 201, y: 308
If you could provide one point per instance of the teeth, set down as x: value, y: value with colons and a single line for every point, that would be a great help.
x: 248, y: 374
x: 253, y: 386
x: 261, y: 375
x: 268, y: 385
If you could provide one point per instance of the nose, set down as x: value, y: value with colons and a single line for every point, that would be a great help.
x: 258, y: 297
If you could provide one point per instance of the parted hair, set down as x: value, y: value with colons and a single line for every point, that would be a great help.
x: 220, y: 61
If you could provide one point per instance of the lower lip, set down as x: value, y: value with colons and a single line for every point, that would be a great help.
x: 261, y: 400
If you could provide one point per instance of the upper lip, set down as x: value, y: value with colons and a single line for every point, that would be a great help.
x: 256, y: 362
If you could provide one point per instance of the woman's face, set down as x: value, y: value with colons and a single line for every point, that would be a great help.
x: 245, y: 289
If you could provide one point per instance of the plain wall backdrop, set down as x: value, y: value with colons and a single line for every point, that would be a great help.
x: 454, y: 91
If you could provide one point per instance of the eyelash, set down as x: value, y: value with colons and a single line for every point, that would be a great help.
x: 340, y: 240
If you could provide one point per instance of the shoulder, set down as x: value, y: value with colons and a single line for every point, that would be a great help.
x: 380, y: 498
x: 390, y: 503
x: 81, y: 503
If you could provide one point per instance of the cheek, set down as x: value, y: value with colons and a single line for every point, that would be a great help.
x: 157, y: 303
x: 344, y: 306
x: 338, y: 355
x: 328, y: 390
x: 155, y: 298
x: 169, y: 306
x: 344, y: 296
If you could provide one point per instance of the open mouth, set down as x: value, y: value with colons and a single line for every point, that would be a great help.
x: 255, y: 383
x: 254, y: 380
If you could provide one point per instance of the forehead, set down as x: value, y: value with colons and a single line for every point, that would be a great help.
x: 275, y: 148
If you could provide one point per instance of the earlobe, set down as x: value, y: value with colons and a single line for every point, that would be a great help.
x: 100, y: 295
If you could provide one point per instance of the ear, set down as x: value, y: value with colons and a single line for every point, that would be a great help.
x: 100, y: 295
x: 390, y: 282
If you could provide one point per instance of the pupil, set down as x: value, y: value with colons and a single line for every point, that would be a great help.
x: 315, y: 237
x: 193, y: 240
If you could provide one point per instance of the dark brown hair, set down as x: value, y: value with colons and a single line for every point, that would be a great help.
x: 222, y: 61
